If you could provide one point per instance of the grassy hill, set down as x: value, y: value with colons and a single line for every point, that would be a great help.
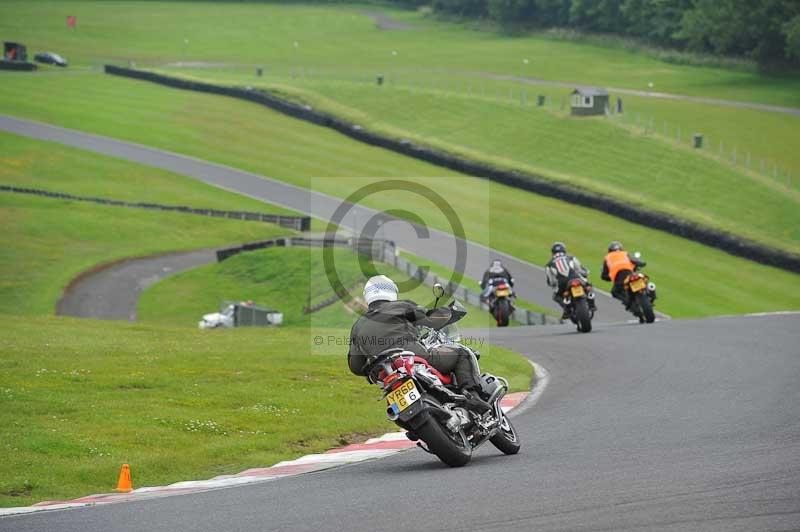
x: 256, y: 139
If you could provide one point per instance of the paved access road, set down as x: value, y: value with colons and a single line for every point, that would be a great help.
x: 675, y: 426
x: 112, y: 293
x: 438, y: 246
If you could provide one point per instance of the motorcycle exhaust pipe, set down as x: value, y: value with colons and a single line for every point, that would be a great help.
x: 392, y: 415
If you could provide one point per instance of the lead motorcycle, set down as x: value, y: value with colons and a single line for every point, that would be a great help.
x: 641, y: 294
x: 428, y: 404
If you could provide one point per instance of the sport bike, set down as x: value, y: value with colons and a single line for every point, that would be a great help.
x: 501, y: 302
x: 641, y: 294
x: 578, y: 299
x: 429, y: 405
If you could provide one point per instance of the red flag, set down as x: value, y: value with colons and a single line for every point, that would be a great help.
x: 72, y: 20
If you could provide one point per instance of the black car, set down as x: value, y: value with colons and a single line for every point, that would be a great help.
x: 50, y: 58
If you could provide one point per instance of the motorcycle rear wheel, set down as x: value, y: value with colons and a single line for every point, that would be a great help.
x: 502, y: 312
x: 506, y: 439
x: 452, y: 448
x: 583, y: 316
x: 646, y: 307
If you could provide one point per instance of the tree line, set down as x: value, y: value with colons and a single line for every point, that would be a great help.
x: 767, y: 31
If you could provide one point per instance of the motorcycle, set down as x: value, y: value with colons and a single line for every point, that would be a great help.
x: 501, y: 303
x: 641, y: 294
x: 578, y: 299
x: 428, y: 404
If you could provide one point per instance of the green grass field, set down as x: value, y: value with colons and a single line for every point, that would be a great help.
x: 45, y: 243
x: 343, y: 39
x: 282, y: 278
x: 30, y: 163
x: 595, y: 154
x: 80, y: 397
x: 239, y: 134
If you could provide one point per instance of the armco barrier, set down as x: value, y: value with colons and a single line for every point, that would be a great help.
x: 298, y: 223
x: 526, y: 181
x: 384, y: 251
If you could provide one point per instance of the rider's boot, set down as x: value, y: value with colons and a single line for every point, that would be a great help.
x: 476, y: 400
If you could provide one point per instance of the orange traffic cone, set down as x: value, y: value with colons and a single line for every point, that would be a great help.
x: 124, y: 483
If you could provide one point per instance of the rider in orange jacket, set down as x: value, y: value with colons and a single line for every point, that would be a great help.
x: 617, y: 265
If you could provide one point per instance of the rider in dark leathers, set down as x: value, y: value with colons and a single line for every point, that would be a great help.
x: 390, y: 323
x: 557, y: 271
x: 493, y: 275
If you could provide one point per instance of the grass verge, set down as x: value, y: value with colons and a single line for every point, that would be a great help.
x: 80, y: 397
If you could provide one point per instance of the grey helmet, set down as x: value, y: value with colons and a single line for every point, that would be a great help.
x: 616, y: 245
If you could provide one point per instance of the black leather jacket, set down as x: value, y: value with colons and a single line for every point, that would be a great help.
x: 386, y: 324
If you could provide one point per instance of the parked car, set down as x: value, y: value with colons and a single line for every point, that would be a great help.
x: 50, y: 58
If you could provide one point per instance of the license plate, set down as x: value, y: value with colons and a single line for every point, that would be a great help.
x: 403, y: 397
x: 577, y: 291
x: 502, y: 293
x: 637, y: 285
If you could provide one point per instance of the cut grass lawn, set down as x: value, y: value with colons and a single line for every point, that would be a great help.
x: 280, y: 278
x: 694, y: 280
x: 344, y: 39
x: 591, y: 153
x: 25, y: 162
x: 80, y: 397
x: 45, y: 243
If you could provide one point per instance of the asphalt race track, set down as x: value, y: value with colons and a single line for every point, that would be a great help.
x: 112, y: 293
x: 679, y: 425
x: 438, y: 246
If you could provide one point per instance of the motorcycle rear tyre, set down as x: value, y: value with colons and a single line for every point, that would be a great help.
x: 502, y: 312
x: 442, y: 445
x: 646, y: 307
x: 583, y: 316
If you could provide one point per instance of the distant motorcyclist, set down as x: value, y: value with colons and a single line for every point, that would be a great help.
x: 391, y: 323
x: 557, y: 272
x: 495, y: 274
x: 617, y: 265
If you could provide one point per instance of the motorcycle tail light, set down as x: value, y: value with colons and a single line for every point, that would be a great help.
x: 396, y: 384
x: 502, y: 286
x: 575, y: 282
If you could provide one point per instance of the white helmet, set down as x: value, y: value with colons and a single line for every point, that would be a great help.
x: 380, y: 288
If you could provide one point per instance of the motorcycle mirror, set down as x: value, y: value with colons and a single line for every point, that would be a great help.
x: 438, y: 292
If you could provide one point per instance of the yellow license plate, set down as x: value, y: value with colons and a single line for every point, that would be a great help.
x: 403, y: 397
x: 502, y: 293
x: 577, y: 291
x: 637, y: 285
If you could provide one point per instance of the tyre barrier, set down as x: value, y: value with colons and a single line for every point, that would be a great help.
x: 535, y: 183
x: 298, y: 223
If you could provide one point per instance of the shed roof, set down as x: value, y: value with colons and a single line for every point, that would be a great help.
x: 590, y: 91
